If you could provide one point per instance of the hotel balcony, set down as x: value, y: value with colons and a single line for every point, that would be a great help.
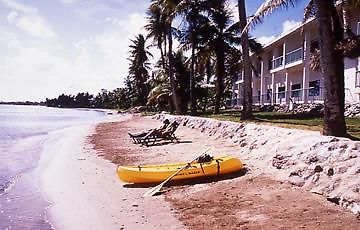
x: 292, y: 58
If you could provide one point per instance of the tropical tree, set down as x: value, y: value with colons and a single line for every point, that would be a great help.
x: 167, y: 9
x: 138, y: 70
x: 246, y: 64
x: 156, y: 29
x: 217, y: 36
x: 193, y: 13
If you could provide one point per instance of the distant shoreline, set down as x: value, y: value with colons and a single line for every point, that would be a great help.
x: 21, y: 103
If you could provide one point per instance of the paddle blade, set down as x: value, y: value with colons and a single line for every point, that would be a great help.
x: 153, y: 190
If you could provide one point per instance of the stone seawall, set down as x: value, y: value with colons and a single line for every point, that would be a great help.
x: 324, y: 165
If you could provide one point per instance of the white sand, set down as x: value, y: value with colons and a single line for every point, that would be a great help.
x: 86, y: 193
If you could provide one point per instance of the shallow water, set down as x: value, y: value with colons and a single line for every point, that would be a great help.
x: 23, y: 132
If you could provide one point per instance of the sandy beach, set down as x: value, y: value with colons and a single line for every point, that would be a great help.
x: 81, y: 182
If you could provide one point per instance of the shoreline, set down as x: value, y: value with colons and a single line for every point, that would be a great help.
x: 84, y: 189
x: 89, y: 195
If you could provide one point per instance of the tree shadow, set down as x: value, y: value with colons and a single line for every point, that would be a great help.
x: 351, y: 137
x: 166, y: 142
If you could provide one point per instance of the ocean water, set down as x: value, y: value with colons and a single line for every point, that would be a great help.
x: 23, y: 132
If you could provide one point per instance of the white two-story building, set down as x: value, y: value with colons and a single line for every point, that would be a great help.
x: 284, y: 74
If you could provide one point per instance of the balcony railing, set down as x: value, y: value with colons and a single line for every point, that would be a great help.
x: 277, y: 62
x: 294, y: 56
x: 295, y: 96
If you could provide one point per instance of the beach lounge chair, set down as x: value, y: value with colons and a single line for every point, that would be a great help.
x: 156, y: 135
x: 136, y: 137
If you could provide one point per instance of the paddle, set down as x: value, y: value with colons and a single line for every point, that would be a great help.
x: 157, y: 188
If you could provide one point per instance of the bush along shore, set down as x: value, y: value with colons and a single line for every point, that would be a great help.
x: 324, y: 165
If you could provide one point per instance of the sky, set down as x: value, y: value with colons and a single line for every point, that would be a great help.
x: 50, y: 47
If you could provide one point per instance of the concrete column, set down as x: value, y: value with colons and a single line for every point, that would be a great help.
x: 262, y: 83
x: 287, y: 88
x: 273, y: 86
x: 284, y: 54
x: 306, y: 68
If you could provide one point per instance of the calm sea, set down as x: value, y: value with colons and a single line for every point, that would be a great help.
x: 23, y: 132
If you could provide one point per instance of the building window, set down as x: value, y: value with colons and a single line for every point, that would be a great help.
x: 314, y: 88
x: 357, y: 79
x: 358, y: 28
x: 295, y: 90
x: 281, y: 92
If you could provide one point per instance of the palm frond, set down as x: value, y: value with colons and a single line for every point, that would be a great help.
x: 266, y: 8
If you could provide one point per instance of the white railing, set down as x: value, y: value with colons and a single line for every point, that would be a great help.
x: 294, y: 56
x: 277, y: 62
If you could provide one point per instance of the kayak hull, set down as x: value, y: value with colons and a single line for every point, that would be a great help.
x: 159, y: 173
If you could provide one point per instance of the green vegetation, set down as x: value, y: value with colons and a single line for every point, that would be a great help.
x: 286, y: 120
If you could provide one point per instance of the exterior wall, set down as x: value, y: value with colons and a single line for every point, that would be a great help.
x: 350, y: 73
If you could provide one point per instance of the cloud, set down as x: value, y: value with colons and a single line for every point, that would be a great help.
x: 34, y: 25
x: 286, y: 27
x: 68, y: 2
x: 289, y: 25
x: 19, y: 6
x: 12, y: 16
x: 265, y: 40
x: 52, y: 67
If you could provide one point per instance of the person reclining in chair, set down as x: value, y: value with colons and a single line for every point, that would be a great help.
x: 162, y: 128
x: 166, y: 133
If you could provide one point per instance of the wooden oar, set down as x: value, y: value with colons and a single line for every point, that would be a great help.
x: 157, y: 188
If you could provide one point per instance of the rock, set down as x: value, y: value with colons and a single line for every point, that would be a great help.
x: 330, y: 172
x: 311, y: 109
x: 318, y: 168
x: 335, y: 200
x: 297, y: 181
x: 279, y: 161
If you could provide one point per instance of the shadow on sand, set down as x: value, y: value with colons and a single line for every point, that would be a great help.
x: 161, y: 143
x: 201, y: 180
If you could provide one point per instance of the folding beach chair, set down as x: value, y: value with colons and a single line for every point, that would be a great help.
x: 138, y: 136
x: 156, y: 135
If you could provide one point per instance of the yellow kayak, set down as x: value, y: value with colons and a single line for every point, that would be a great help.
x: 159, y: 173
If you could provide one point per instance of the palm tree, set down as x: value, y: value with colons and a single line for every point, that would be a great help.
x: 331, y: 60
x: 217, y: 36
x: 156, y: 28
x: 332, y: 68
x: 246, y: 63
x: 191, y: 11
x: 138, y: 70
x: 167, y: 10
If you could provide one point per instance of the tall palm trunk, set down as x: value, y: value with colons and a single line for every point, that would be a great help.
x: 171, y: 74
x: 247, y: 101
x: 162, y: 54
x: 332, y: 70
x: 192, y: 76
x: 220, y: 73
